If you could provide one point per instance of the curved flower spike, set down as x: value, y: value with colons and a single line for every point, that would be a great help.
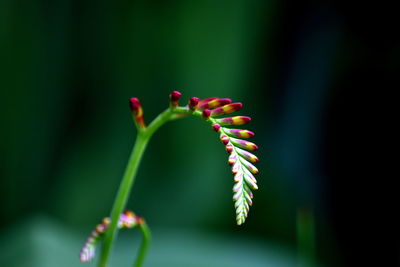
x: 241, y: 160
x: 126, y: 220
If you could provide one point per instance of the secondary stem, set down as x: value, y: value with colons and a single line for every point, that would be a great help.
x: 144, y: 246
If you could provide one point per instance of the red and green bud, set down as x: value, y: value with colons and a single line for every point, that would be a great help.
x: 247, y: 155
x: 250, y: 181
x: 247, y: 173
x: 248, y: 199
x: 239, y: 133
x: 236, y: 120
x: 137, y: 111
x: 216, y: 127
x: 250, y: 167
x: 174, y: 97
x: 214, y: 103
x: 244, y: 144
x: 206, y: 114
x: 226, y: 109
x: 193, y: 103
x: 224, y: 139
x: 248, y: 190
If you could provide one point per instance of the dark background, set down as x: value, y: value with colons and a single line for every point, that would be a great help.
x: 315, y: 77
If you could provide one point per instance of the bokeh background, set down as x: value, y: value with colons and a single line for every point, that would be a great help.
x: 310, y: 73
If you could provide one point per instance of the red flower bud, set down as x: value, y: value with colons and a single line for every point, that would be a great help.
x: 193, y: 102
x: 224, y: 139
x: 216, y: 127
x: 137, y: 111
x: 206, y: 114
x: 229, y: 148
x: 174, y: 97
x: 134, y: 104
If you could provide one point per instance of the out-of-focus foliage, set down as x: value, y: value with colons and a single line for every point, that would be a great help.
x: 43, y: 242
x: 67, y: 69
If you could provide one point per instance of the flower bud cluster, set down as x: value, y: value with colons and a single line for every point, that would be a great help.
x: 240, y: 158
x: 126, y: 220
x: 211, y: 109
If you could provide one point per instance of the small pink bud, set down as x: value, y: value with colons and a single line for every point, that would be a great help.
x: 206, y: 114
x: 206, y: 100
x: 232, y: 159
x: 193, y: 102
x: 134, y: 104
x: 250, y: 167
x: 236, y: 170
x: 247, y: 155
x: 229, y: 148
x: 226, y: 109
x: 216, y: 127
x: 224, y: 139
x: 239, y: 133
x: 137, y: 111
x: 217, y: 102
x: 236, y: 120
x: 244, y: 144
x: 174, y: 97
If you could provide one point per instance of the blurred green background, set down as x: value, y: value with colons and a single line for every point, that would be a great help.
x: 67, y: 71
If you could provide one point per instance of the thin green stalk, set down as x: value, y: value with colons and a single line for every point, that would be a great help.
x: 144, y: 245
x: 122, y: 196
x: 127, y: 182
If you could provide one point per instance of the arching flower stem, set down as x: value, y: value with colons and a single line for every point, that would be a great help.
x: 142, y: 139
x: 145, y: 133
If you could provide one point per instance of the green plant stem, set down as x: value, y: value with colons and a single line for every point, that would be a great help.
x: 122, y: 196
x: 144, y: 245
x: 142, y: 139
